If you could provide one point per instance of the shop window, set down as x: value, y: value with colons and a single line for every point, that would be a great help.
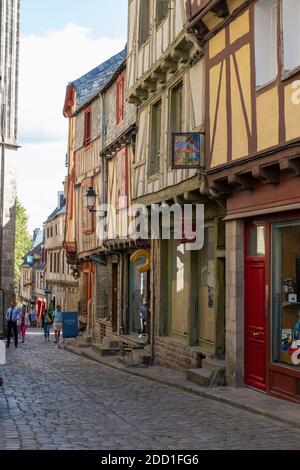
x: 180, y: 279
x: 206, y: 304
x: 256, y: 241
x: 285, y: 309
x: 144, y: 26
x: 120, y: 99
x: 162, y: 7
x: 87, y: 127
x: 138, y: 296
x: 265, y: 41
x: 291, y: 34
x: 154, y: 162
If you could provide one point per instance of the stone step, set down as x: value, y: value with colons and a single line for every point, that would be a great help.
x: 213, y: 364
x: 84, y: 342
x: 199, y: 376
x: 141, y: 357
x: 104, y: 351
x: 110, y: 343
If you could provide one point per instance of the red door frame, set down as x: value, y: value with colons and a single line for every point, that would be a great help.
x: 271, y: 367
x: 261, y: 260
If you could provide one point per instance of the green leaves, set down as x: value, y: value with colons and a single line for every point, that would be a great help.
x: 23, y: 241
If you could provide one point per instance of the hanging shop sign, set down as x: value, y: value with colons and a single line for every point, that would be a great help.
x: 187, y: 150
x: 141, y: 260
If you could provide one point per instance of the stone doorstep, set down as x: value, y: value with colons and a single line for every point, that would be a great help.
x: 106, y: 351
x: 199, y: 376
x: 213, y: 364
x: 243, y: 398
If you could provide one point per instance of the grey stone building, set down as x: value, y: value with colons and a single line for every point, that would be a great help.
x: 9, y: 68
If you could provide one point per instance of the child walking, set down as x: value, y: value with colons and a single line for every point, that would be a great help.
x: 24, y: 323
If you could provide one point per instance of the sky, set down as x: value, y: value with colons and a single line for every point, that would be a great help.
x: 61, y: 40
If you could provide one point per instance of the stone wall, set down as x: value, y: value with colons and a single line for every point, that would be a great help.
x: 235, y: 302
x: 176, y: 355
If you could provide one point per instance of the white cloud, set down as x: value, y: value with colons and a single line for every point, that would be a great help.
x: 47, y: 64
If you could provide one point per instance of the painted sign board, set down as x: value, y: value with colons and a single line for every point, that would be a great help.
x: 187, y: 150
x: 70, y: 325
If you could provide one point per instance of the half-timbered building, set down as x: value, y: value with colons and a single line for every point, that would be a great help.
x: 252, y: 158
x: 165, y: 80
x: 84, y: 109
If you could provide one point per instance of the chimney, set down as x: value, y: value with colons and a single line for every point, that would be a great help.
x: 61, y: 199
x: 35, y: 232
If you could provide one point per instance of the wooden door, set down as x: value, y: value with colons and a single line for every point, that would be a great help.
x: 114, y: 306
x: 255, y: 308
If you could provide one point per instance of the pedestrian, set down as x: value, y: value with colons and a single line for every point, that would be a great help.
x: 33, y: 318
x: 12, y: 317
x: 47, y: 321
x: 57, y: 323
x: 24, y: 323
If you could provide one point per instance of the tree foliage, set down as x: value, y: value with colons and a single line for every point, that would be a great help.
x: 23, y: 241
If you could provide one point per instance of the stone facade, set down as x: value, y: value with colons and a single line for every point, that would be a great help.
x: 235, y: 302
x: 176, y: 355
x: 9, y: 67
x: 58, y: 273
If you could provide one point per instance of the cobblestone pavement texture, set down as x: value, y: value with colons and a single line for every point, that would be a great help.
x: 53, y: 399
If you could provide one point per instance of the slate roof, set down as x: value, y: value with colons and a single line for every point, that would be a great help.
x: 89, y: 85
x: 56, y: 212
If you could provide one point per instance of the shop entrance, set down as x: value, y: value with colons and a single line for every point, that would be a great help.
x: 256, y: 292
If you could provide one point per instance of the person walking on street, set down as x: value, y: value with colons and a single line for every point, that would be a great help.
x: 57, y: 322
x: 12, y: 317
x: 47, y: 321
x: 24, y: 323
x: 32, y: 318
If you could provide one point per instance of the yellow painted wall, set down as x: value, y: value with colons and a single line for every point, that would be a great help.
x: 239, y: 27
x: 292, y: 113
x: 219, y: 155
x: 211, y: 20
x: 267, y: 119
x: 240, y: 144
x: 234, y: 4
x: 217, y: 44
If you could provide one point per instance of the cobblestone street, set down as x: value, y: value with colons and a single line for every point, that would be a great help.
x: 53, y: 399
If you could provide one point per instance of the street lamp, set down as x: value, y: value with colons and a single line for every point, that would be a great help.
x: 91, y: 197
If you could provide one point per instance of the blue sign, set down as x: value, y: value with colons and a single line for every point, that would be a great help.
x: 70, y: 324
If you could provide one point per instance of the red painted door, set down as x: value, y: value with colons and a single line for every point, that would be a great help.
x: 255, y: 296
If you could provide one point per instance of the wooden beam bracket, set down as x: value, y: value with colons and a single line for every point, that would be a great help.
x: 268, y: 174
x: 290, y: 166
x: 243, y: 182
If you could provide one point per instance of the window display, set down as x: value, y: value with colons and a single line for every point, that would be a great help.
x: 286, y: 293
